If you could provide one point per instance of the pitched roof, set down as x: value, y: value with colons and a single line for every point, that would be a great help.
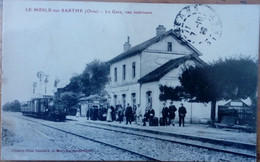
x: 237, y: 100
x: 142, y: 46
x: 167, y: 67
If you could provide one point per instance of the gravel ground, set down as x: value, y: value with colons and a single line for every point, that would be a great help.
x: 8, y: 137
x: 200, y: 130
x: 93, y: 151
x: 158, y: 149
x: 31, y: 141
x: 172, y: 138
x: 8, y: 132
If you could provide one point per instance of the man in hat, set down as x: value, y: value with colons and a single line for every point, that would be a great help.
x: 182, y: 113
x: 165, y: 112
x: 128, y: 113
x: 172, y: 110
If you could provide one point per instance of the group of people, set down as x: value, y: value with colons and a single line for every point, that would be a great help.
x: 95, y: 113
x: 112, y: 113
x: 168, y: 114
x: 131, y: 114
x: 134, y: 114
x: 115, y: 113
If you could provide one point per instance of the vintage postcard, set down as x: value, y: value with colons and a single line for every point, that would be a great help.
x: 129, y: 81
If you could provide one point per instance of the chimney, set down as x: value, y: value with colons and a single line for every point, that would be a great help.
x: 127, y: 44
x: 160, y: 30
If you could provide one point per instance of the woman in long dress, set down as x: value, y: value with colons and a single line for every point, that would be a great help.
x: 138, y: 115
x: 109, y: 115
x: 77, y: 114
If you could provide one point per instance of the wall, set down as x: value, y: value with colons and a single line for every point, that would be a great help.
x: 150, y: 59
x: 127, y: 90
x: 127, y: 86
x: 129, y: 79
x: 154, y: 88
x: 177, y: 47
x: 172, y: 77
x: 84, y: 108
x: 157, y: 54
x: 196, y: 112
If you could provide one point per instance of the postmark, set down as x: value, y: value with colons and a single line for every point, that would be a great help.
x: 198, y: 24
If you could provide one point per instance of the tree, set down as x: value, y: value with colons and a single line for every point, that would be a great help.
x: 174, y: 94
x: 94, y: 77
x: 85, y: 81
x: 230, y: 78
x: 253, y: 122
x: 7, y: 106
x: 14, y: 106
x: 69, y: 99
x: 73, y: 86
x: 91, y: 81
x: 233, y: 78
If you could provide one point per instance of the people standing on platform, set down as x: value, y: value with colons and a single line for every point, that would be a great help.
x: 91, y: 112
x: 109, y: 115
x: 138, y: 114
x: 120, y: 113
x: 95, y: 113
x: 78, y: 113
x: 102, y: 113
x: 151, y: 113
x: 165, y: 114
x: 146, y: 117
x: 172, y: 110
x: 182, y: 113
x: 113, y: 113
x: 134, y: 114
x: 88, y: 113
x: 128, y: 113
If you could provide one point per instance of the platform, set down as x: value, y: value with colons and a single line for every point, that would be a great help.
x: 200, y: 132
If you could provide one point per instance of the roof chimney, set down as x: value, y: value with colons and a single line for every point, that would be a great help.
x: 160, y: 30
x: 127, y: 44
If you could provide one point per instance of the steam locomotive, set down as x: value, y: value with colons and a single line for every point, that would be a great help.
x: 43, y: 107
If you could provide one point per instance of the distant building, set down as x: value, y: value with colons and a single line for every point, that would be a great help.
x: 92, y: 101
x: 235, y: 111
x: 135, y: 74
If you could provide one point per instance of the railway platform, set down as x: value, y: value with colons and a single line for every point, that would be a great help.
x: 197, y: 132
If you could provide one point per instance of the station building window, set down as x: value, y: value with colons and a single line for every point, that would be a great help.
x: 133, y: 70
x: 115, y: 74
x: 124, y: 100
x: 133, y: 97
x: 124, y: 72
x: 115, y: 100
x: 149, y: 99
x: 169, y: 47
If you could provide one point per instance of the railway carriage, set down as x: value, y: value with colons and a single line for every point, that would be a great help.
x: 43, y: 107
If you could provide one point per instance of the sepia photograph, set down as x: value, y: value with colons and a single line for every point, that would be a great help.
x: 114, y: 81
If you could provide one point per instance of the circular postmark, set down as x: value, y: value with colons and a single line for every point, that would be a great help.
x: 198, y: 24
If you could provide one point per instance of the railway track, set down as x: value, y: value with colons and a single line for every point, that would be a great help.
x: 148, y: 158
x: 84, y: 134
x: 172, y: 140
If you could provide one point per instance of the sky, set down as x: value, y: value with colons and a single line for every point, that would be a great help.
x: 61, y: 43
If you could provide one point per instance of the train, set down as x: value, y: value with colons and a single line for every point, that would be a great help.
x: 43, y: 107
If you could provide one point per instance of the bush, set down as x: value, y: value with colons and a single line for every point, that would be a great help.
x: 14, y: 106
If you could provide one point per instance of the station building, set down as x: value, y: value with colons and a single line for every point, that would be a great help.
x: 137, y: 73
